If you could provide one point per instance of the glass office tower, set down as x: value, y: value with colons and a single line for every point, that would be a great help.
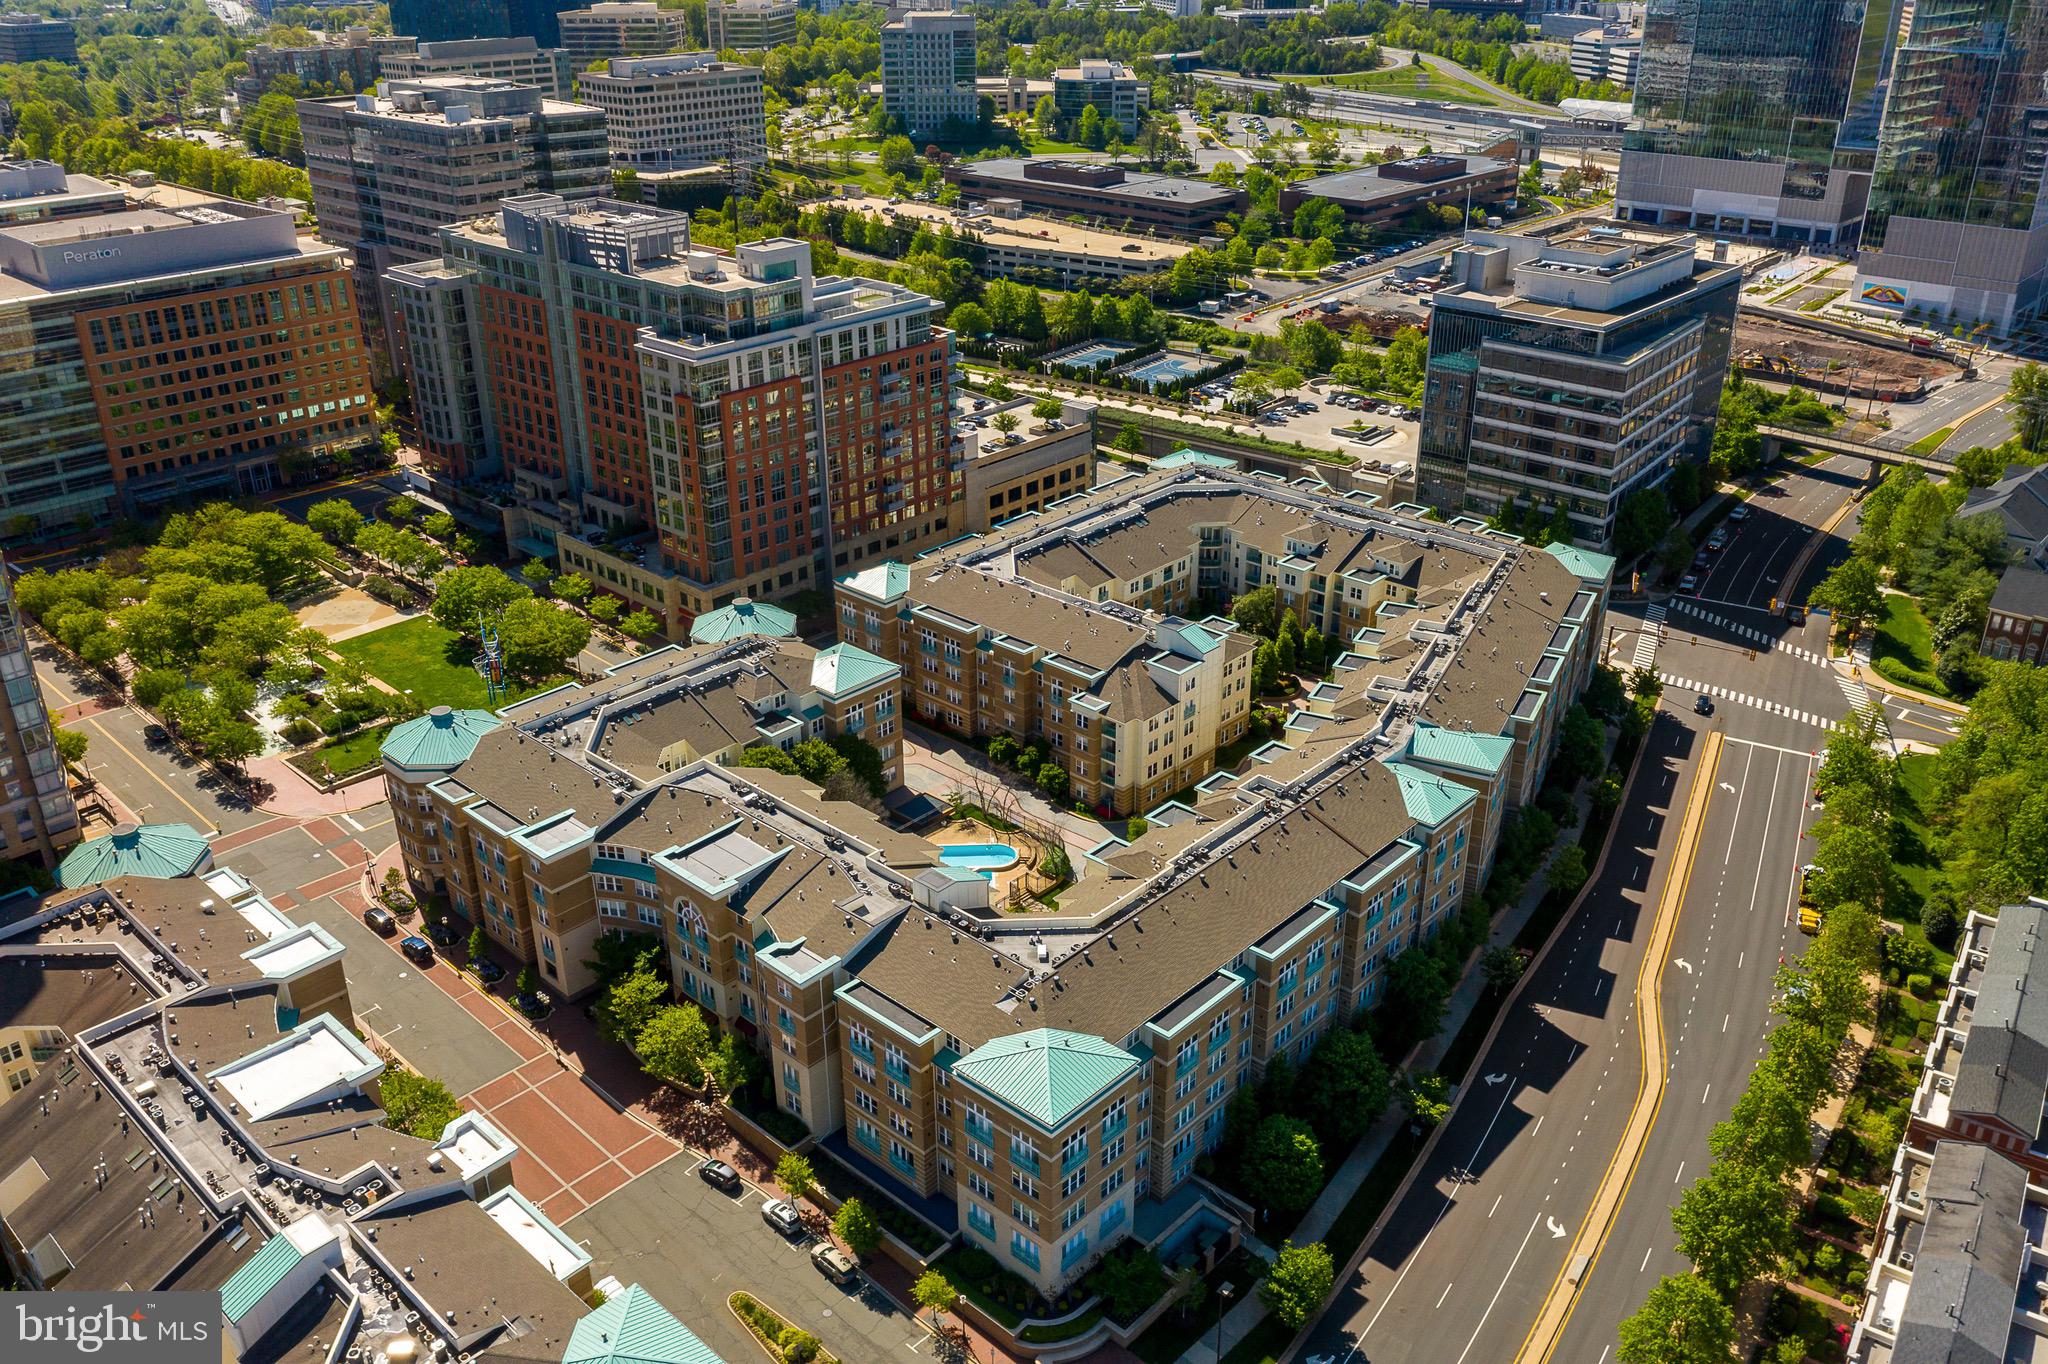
x: 433, y: 21
x: 1956, y: 230
x: 1757, y: 116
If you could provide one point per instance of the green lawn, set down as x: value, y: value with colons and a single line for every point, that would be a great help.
x: 1415, y: 82
x: 351, y: 754
x: 433, y: 664
x: 1913, y: 854
x: 1904, y: 648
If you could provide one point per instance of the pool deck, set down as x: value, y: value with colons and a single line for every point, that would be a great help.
x: 965, y: 832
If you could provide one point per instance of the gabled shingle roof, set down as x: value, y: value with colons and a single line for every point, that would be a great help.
x: 1045, y: 1074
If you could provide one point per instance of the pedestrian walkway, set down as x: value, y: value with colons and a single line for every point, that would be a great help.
x: 1858, y: 697
x: 1762, y: 703
x: 1648, y: 637
x: 1764, y: 642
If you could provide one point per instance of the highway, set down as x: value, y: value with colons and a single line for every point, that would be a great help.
x: 1466, y: 1258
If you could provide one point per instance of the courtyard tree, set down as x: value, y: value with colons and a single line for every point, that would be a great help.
x: 1285, y: 1163
x: 855, y: 1223
x: 1300, y: 1279
x: 540, y: 640
x: 1344, y: 1088
x: 629, y: 1005
x: 336, y: 521
x: 674, y: 1042
x: 461, y: 595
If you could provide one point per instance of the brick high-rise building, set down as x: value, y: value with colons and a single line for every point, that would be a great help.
x: 158, y: 343
x: 727, y: 424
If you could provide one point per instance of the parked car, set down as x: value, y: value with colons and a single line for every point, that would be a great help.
x: 834, y: 1263
x: 381, y: 920
x: 156, y: 736
x: 719, y: 1175
x: 1739, y: 514
x: 1689, y: 583
x: 417, y: 950
x: 781, y: 1216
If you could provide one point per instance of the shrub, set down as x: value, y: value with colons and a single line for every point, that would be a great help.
x: 798, y: 1346
x: 1921, y: 986
x: 387, y: 590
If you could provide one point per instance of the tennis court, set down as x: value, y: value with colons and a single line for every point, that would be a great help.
x: 1168, y: 368
x: 1087, y: 354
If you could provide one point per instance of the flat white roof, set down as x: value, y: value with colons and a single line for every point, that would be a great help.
x: 475, y: 1144
x: 539, y: 1237
x: 316, y: 1061
x: 263, y: 916
x: 290, y: 953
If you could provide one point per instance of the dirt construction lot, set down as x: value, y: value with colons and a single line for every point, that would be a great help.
x: 1809, y: 352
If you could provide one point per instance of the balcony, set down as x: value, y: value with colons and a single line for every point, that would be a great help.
x: 1115, y: 1127
x: 903, y: 1164
x: 1074, y: 1251
x: 864, y: 1050
x: 1027, y: 1161
x: 980, y: 1222
x: 1187, y: 1061
x: 979, y: 1129
x: 1074, y: 1159
x: 1217, y: 1042
x: 897, y: 1070
x: 868, y: 1139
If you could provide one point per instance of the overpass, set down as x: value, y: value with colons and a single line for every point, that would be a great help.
x: 1775, y: 438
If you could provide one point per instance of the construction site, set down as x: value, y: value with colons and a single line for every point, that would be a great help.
x: 1825, y: 360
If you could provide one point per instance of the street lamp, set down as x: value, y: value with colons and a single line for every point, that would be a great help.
x: 1224, y: 1293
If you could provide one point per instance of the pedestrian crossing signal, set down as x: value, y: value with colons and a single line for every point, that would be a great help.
x: 1635, y: 582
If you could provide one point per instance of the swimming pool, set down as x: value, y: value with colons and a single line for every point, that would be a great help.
x: 986, y: 858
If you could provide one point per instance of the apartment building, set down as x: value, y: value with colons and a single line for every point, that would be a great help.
x: 622, y: 28
x: 37, y: 816
x: 681, y: 112
x: 346, y: 66
x: 1032, y: 1081
x: 162, y: 343
x: 741, y: 426
x: 1118, y: 94
x: 1573, y: 372
x: 521, y: 61
x: 1027, y: 469
x: 928, y: 66
x: 750, y: 25
x: 37, y: 38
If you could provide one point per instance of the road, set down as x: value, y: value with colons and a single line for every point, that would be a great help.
x: 1465, y: 1259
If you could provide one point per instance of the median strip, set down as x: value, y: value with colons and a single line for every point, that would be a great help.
x: 1548, y: 1330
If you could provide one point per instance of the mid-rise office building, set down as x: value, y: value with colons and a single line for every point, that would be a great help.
x: 928, y: 66
x: 324, y: 68
x: 622, y: 28
x: 37, y: 816
x: 433, y: 21
x: 1958, y: 226
x: 1607, y: 55
x: 1757, y: 116
x: 163, y: 343
x: 390, y: 170
x: 520, y: 61
x: 750, y: 25
x: 1111, y: 195
x: 1026, y: 469
x: 681, y: 112
x: 1119, y: 95
x: 732, y: 423
x: 920, y: 1017
x: 1383, y: 196
x: 37, y: 38
x: 1572, y: 372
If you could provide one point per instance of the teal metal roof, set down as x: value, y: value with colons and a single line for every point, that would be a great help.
x: 1187, y: 458
x: 442, y: 739
x: 1046, y: 1074
x: 261, y: 1273
x: 633, y: 1328
x: 1460, y: 748
x: 162, y: 851
x: 843, y: 668
x: 1430, y: 799
x: 744, y: 617
x: 1584, y: 562
x: 883, y: 582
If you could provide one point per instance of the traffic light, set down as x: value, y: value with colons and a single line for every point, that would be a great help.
x: 1635, y: 582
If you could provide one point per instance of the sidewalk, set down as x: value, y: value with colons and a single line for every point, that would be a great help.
x: 1427, y: 1055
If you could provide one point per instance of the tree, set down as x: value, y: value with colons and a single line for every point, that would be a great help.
x: 1502, y: 966
x: 1344, y: 1088
x: 1568, y: 870
x: 479, y: 945
x: 629, y: 1005
x: 527, y: 983
x: 606, y: 609
x: 70, y: 744
x: 1258, y: 611
x: 971, y: 320
x: 1683, y: 1322
x: 1642, y: 522
x: 1417, y: 988
x: 1053, y: 780
x: 537, y: 574
x: 1285, y: 1163
x: 796, y: 1345
x: 1582, y: 746
x: 1045, y: 115
x: 1301, y: 1277
x: 415, y: 1104
x: 858, y: 1227
x: 1048, y: 409
x: 1733, y: 1224
x: 335, y: 520
x: 1425, y: 1096
x: 463, y: 594
x: 401, y: 511
x: 1980, y: 466
x: 2028, y: 395
x: 1851, y: 594
x: 573, y: 588
x: 1130, y: 438
x: 674, y: 1044
x: 795, y: 1177
x: 933, y: 1292
x: 898, y: 157
x: 540, y: 640
x: 640, y: 624
x: 1005, y: 422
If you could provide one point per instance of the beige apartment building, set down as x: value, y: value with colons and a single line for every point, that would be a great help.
x: 681, y: 111
x: 1032, y: 1082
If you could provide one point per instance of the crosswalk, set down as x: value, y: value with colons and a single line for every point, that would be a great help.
x: 1858, y: 697
x: 1647, y: 637
x: 1750, y: 633
x: 1721, y: 693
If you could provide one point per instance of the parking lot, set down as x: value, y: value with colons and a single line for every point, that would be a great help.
x: 1318, y: 416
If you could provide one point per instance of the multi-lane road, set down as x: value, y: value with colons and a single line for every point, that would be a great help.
x: 1710, y: 838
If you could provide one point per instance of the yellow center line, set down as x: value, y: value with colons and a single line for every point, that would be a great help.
x: 1548, y: 1329
x: 102, y: 730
